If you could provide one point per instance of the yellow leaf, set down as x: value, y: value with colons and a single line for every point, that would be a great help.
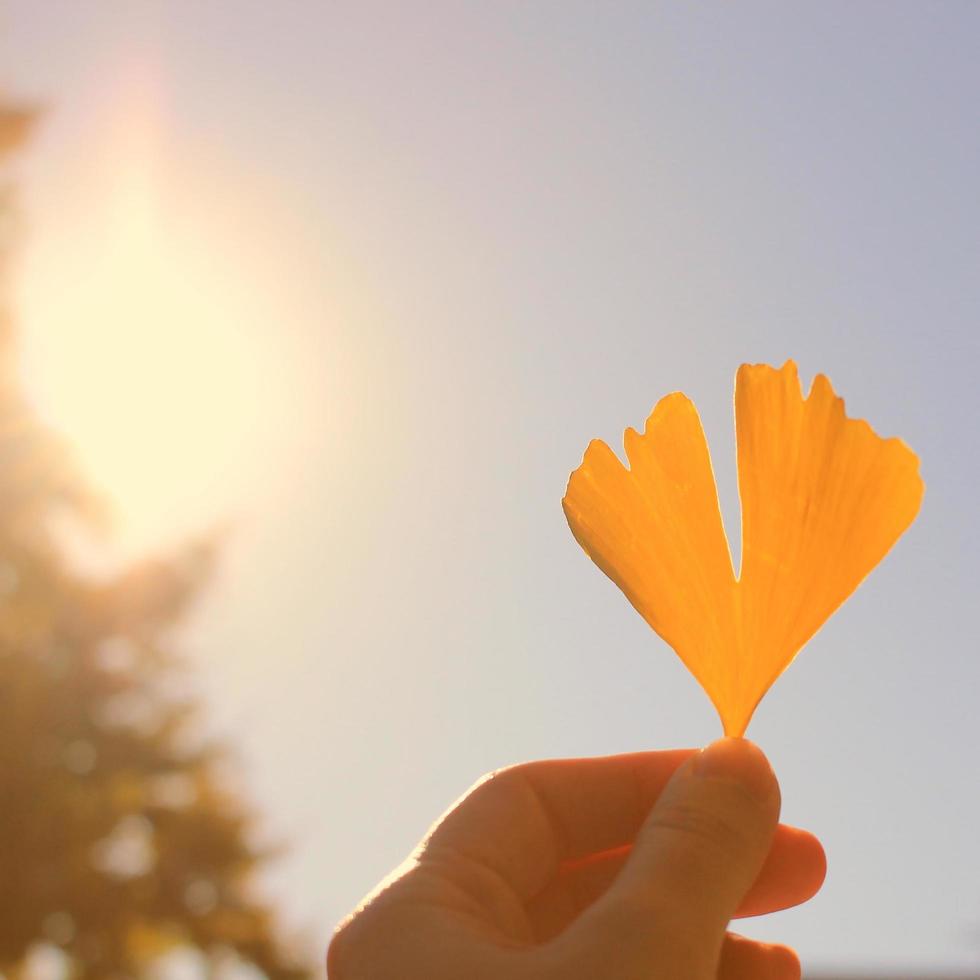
x: 823, y: 499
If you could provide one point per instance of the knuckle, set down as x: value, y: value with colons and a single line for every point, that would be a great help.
x: 716, y: 830
x: 508, y: 788
x: 506, y: 776
x: 494, y: 782
x: 352, y: 942
x: 786, y: 963
x: 339, y: 952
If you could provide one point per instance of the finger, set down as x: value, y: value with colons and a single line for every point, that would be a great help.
x: 792, y: 873
x: 748, y: 959
x: 576, y: 886
x: 794, y: 870
x: 522, y: 822
x: 693, y: 862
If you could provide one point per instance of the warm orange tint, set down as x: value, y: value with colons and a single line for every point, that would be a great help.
x: 823, y: 499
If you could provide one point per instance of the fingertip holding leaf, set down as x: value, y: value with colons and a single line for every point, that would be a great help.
x: 823, y: 499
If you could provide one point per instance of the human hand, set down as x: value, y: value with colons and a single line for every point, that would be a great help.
x: 627, y: 867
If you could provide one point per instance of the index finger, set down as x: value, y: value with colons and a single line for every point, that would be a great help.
x: 524, y: 821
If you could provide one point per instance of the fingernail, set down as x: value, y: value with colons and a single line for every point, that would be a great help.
x: 738, y: 760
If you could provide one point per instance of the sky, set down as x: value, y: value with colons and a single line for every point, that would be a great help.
x: 367, y: 278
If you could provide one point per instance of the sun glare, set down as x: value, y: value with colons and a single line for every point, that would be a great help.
x: 152, y: 352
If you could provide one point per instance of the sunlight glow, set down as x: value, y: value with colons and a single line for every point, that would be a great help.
x: 150, y: 348
x: 152, y: 374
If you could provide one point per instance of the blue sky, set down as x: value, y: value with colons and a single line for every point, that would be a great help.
x: 469, y: 238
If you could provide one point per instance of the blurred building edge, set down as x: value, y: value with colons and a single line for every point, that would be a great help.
x: 123, y: 844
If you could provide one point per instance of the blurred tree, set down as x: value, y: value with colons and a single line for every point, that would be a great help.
x: 120, y: 841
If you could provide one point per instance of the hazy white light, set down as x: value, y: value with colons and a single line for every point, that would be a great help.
x: 128, y: 851
x: 151, y: 342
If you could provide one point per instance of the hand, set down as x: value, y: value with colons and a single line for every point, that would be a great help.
x: 620, y: 868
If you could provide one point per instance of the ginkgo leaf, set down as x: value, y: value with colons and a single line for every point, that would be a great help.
x: 823, y: 499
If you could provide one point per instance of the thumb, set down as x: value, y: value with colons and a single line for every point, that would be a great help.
x: 697, y: 854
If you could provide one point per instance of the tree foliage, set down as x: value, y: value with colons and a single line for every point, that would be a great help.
x: 119, y: 838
